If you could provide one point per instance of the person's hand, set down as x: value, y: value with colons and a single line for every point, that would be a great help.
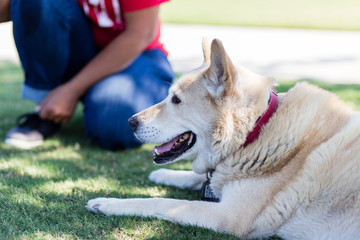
x: 59, y: 104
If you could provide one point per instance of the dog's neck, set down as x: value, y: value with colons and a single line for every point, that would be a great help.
x: 260, y: 122
x: 263, y: 119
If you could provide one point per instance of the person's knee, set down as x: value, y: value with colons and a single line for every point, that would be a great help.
x: 109, y: 128
x: 112, y: 140
x: 106, y: 113
x: 5, y: 11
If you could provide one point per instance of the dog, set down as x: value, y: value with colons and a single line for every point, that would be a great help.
x: 273, y: 164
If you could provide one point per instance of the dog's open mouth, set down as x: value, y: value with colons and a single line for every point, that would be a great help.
x: 171, y: 150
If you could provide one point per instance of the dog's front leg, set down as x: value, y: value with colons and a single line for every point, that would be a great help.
x: 178, y: 178
x: 204, y: 214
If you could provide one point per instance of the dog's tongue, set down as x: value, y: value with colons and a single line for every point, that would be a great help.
x: 166, y: 146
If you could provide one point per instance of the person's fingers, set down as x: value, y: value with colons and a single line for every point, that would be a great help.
x: 65, y: 120
x: 44, y: 114
x: 58, y: 119
x: 48, y: 114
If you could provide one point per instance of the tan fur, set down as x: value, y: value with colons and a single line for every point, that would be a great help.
x: 300, y: 179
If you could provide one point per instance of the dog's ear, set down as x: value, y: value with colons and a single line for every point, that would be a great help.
x: 206, y: 49
x: 221, y: 74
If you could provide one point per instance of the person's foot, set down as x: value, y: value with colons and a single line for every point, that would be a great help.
x: 31, y: 131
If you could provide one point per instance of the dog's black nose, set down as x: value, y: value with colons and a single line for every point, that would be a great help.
x: 134, y: 123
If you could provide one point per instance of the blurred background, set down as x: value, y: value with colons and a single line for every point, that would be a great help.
x: 286, y: 39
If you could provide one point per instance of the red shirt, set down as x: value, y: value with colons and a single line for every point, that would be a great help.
x: 107, y: 22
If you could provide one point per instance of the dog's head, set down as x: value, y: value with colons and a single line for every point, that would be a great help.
x: 208, y: 113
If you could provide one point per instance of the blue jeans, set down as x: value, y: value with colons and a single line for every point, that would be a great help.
x: 54, y: 42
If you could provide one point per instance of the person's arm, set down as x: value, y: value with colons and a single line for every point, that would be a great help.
x: 141, y: 27
x: 5, y: 11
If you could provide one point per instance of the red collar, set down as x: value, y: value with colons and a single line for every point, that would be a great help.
x: 263, y: 119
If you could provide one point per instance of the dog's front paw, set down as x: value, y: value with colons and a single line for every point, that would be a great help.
x: 161, y: 176
x: 102, y: 205
x: 178, y: 178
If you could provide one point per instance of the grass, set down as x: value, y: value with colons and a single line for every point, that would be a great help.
x: 44, y: 191
x: 319, y: 14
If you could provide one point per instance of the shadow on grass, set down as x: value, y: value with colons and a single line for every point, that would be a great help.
x: 32, y: 205
x: 123, y: 174
x: 64, y: 215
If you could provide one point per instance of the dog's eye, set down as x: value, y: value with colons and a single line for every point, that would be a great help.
x: 175, y: 100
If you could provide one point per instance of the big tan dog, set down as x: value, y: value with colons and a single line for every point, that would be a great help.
x: 286, y: 165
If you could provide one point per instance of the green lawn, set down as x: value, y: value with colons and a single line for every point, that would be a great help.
x: 318, y: 14
x: 44, y: 191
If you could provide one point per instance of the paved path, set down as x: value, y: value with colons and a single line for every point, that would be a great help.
x: 332, y: 56
x: 7, y: 46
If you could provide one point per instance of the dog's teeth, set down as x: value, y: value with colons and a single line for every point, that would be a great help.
x: 156, y: 151
x: 190, y: 140
x: 186, y: 135
x: 181, y: 140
